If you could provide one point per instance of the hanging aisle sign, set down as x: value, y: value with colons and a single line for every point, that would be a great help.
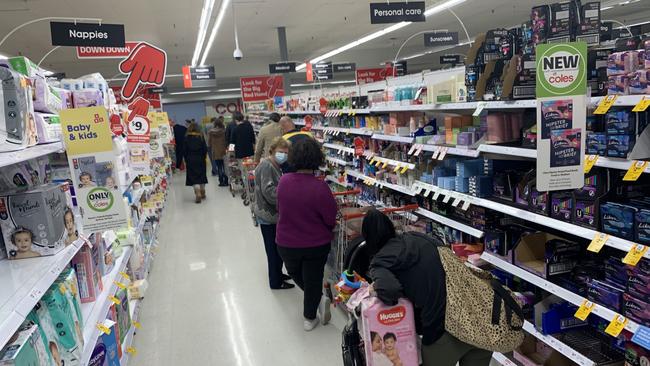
x: 88, y: 141
x: 395, y: 12
x: 450, y: 59
x: 87, y: 34
x: 561, y: 115
x: 282, y: 67
x: 345, y: 67
x: 435, y: 39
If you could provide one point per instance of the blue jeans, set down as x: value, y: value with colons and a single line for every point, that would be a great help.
x: 218, y: 166
x: 214, y: 164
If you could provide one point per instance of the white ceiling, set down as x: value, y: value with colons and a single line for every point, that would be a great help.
x: 313, y: 28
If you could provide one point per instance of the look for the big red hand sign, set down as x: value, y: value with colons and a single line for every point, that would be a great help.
x: 146, y: 65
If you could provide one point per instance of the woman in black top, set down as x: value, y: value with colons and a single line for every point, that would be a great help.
x: 196, y: 152
x: 408, y: 265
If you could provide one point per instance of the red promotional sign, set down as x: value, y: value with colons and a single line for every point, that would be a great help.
x: 116, y: 125
x: 187, y: 77
x: 309, y: 122
x: 106, y: 52
x: 359, y: 146
x: 145, y: 65
x: 144, y: 92
x: 138, y: 130
x: 310, y: 72
x: 365, y: 76
x: 261, y: 88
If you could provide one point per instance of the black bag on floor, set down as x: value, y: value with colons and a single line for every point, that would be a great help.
x: 352, y: 346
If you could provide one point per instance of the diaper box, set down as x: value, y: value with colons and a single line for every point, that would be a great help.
x: 17, y: 129
x: 48, y: 127
x: 69, y: 285
x: 24, y: 348
x: 46, y: 98
x: 389, y: 333
x: 90, y: 279
x: 32, y: 222
x: 87, y: 98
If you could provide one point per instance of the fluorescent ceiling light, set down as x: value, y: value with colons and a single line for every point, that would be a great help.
x: 229, y: 90
x: 206, y: 15
x: 431, y: 11
x: 325, y: 83
x: 215, y: 29
x: 190, y: 92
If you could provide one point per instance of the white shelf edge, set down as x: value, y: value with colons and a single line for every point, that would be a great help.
x: 335, y: 181
x: 380, y: 183
x: 101, y: 305
x: 128, y: 341
x: 451, y: 223
x: 336, y: 161
x: 507, y: 150
x: 32, y: 152
x: 503, y: 359
x: 346, y: 149
x: 557, y: 345
x: 565, y: 294
x: 394, y: 162
x: 472, y: 153
x: 394, y: 138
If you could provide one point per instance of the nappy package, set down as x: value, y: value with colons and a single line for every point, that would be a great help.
x: 389, y: 333
x: 17, y: 130
x: 32, y: 222
x: 48, y: 128
x: 25, y: 347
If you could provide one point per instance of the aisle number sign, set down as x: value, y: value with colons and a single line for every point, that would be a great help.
x: 561, y: 89
x: 88, y: 141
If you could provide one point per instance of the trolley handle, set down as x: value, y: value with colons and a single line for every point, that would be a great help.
x: 357, y: 215
x: 248, y: 164
x: 347, y: 193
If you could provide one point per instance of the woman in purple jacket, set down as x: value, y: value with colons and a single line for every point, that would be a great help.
x: 307, y: 216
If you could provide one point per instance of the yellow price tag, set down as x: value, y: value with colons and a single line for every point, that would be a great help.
x: 590, y: 161
x: 146, y: 179
x: 643, y: 104
x: 396, y: 168
x: 104, y: 329
x: 137, y: 325
x: 115, y: 300
x: 62, y: 289
x: 635, y: 171
x: 384, y: 165
x: 372, y: 161
x: 404, y: 169
x: 584, y: 310
x: 120, y: 285
x: 378, y: 163
x: 605, y: 104
x: 131, y: 350
x: 125, y: 276
x: 340, y: 113
x: 634, y: 255
x: 616, y: 326
x: 597, y: 243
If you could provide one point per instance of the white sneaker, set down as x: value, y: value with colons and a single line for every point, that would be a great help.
x: 324, y: 310
x: 309, y: 325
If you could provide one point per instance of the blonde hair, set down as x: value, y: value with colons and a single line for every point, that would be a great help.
x: 278, y: 143
x: 193, y: 128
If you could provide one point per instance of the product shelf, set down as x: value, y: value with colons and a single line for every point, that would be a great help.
x: 451, y: 223
x: 394, y: 138
x: 621, y: 100
x: 392, y: 162
x: 24, y: 281
x: 565, y: 294
x: 354, y: 131
x: 332, y: 179
x: 300, y: 113
x: 340, y: 148
x: 503, y: 359
x: 349, y: 112
x: 128, y: 341
x: 96, y: 311
x: 336, y: 161
x: 33, y: 152
x: 459, y: 106
x: 380, y: 183
x: 557, y: 345
x: 471, y: 153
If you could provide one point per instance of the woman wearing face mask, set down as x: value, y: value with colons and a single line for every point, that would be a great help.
x: 267, y: 176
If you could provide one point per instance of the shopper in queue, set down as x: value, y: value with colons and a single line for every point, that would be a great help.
x: 307, y: 216
x: 180, y: 129
x: 267, y: 177
x: 217, y: 149
x: 290, y: 132
x: 267, y: 135
x: 408, y: 265
x: 195, y: 156
x: 243, y: 137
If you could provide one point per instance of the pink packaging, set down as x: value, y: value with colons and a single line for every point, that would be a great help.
x: 647, y: 55
x: 66, y: 98
x: 88, y: 275
x: 389, y: 333
x: 46, y: 99
x: 639, y: 82
x: 87, y: 98
x: 618, y: 85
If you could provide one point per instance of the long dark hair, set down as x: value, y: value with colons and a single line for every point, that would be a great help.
x: 376, y: 229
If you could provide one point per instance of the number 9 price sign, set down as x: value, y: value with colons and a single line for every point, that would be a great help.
x: 138, y: 131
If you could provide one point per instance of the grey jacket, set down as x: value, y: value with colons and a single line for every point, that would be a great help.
x: 267, y: 177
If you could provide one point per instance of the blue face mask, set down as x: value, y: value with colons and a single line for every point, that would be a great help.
x: 281, y: 157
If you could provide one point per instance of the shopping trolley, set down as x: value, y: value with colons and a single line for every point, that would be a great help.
x: 236, y: 185
x: 248, y: 177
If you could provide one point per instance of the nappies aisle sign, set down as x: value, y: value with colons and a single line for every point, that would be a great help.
x: 88, y: 142
x: 561, y: 115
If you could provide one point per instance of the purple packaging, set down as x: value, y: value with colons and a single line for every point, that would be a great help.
x: 562, y: 206
x: 618, y: 84
x: 638, y: 83
x: 586, y: 213
x: 635, y: 309
x: 616, y: 272
x: 66, y: 98
x: 594, y: 187
x: 642, y: 226
x: 605, y: 294
x: 46, y: 99
x: 539, y: 201
x: 647, y: 54
x: 638, y: 285
x: 87, y: 98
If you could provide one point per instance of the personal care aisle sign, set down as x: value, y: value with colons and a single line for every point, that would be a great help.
x: 88, y: 141
x: 561, y: 115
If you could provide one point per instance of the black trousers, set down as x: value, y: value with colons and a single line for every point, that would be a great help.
x: 180, y: 152
x: 273, y: 259
x: 221, y: 172
x: 306, y: 267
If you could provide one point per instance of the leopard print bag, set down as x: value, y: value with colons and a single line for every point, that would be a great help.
x: 480, y: 311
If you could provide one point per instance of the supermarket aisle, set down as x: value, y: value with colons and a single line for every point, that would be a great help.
x: 208, y: 302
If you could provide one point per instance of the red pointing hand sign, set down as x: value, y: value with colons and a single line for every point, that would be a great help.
x: 146, y: 64
x: 139, y: 107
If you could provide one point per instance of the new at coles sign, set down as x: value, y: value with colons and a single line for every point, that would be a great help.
x: 561, y: 69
